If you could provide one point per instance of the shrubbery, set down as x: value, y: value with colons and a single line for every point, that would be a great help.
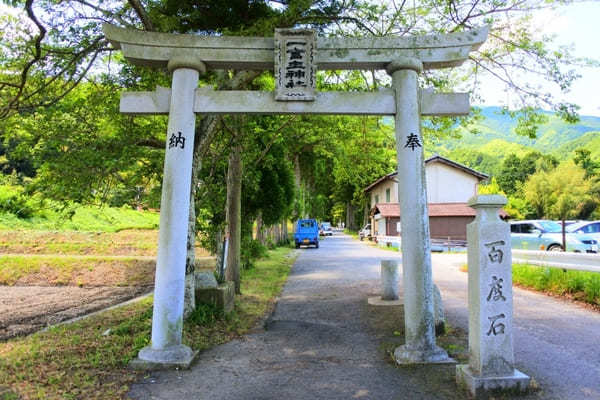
x: 13, y: 200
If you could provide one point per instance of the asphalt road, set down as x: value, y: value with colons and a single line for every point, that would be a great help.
x: 557, y: 342
x: 324, y: 342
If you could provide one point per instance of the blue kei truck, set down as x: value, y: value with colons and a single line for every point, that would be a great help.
x: 307, y: 233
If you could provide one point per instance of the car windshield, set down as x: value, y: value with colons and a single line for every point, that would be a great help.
x: 307, y: 224
x: 551, y: 226
x: 574, y: 227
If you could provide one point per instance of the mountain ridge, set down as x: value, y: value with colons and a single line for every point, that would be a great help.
x: 496, y: 139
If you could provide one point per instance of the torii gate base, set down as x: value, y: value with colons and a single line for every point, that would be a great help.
x: 187, y: 55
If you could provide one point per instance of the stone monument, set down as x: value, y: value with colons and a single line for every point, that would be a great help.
x: 491, y: 357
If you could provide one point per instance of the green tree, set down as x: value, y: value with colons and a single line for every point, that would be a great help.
x: 584, y: 160
x: 515, y: 207
x: 56, y: 46
x: 510, y: 174
x: 559, y: 194
x: 515, y: 170
x: 483, y: 162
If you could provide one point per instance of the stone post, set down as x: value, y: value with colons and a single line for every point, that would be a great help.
x: 166, y: 349
x: 420, y: 346
x: 389, y: 280
x: 491, y: 359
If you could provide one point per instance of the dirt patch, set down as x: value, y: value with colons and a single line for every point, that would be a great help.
x: 88, y: 272
x: 26, y: 309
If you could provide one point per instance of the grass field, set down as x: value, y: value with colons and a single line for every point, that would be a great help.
x: 126, y: 242
x: 83, y: 218
x: 88, y: 359
x: 34, y: 257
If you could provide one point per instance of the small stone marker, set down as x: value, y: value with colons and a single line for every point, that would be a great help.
x: 389, y: 286
x: 389, y: 280
x: 491, y: 361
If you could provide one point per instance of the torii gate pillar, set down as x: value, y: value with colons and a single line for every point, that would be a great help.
x: 166, y: 348
x: 419, y: 331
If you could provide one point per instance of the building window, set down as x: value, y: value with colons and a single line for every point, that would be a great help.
x: 387, y: 195
x: 376, y: 199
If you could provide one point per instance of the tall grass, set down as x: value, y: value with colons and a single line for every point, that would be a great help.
x: 580, y: 285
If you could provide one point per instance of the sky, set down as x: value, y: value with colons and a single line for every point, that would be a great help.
x: 579, y: 25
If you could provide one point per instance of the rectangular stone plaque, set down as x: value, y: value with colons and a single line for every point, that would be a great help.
x: 295, y: 69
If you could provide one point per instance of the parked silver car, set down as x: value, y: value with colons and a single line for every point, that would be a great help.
x: 547, y: 235
x: 588, y: 228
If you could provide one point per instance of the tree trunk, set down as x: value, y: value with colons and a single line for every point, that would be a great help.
x: 564, y: 236
x: 205, y: 131
x: 284, y: 231
x: 260, y: 233
x: 350, y: 223
x: 277, y: 234
x: 299, y: 189
x: 189, y: 299
x: 219, y: 254
x: 234, y: 215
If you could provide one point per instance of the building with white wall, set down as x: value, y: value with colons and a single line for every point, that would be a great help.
x: 449, y: 186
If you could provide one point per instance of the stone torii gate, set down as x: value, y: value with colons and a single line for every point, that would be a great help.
x: 295, y: 56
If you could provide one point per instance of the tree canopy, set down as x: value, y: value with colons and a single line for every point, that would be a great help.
x: 60, y: 80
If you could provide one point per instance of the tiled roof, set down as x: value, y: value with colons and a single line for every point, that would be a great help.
x: 388, y: 209
x: 435, y: 210
x: 450, y: 210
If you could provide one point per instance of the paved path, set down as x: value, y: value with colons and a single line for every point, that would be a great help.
x: 324, y: 342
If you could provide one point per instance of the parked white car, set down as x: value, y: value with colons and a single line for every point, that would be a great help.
x: 365, y: 232
x: 326, y: 229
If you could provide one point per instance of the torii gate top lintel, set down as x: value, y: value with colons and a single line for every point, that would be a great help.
x: 235, y: 52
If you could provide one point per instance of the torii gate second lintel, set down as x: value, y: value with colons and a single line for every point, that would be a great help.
x: 188, y: 55
x: 209, y: 101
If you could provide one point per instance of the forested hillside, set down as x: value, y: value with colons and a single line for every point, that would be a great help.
x: 487, y: 142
